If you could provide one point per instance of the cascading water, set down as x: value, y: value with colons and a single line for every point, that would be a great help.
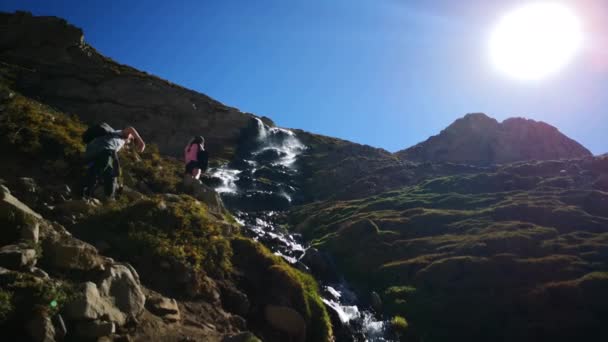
x: 258, y: 186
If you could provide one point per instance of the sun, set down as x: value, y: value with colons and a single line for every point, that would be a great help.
x: 535, y: 41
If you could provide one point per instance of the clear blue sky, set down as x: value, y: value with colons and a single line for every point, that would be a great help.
x: 388, y: 73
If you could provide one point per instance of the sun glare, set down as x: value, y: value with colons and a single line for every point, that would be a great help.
x: 535, y: 41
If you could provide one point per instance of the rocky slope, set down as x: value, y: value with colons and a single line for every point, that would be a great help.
x: 48, y: 59
x: 477, y: 138
x: 437, y: 238
x: 155, y: 265
x: 514, y: 254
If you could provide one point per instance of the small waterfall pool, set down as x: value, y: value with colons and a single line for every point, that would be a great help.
x: 257, y: 186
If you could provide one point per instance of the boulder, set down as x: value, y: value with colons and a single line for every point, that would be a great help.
x: 35, y: 271
x: 94, y: 329
x: 27, y: 189
x: 121, y: 283
x: 287, y: 320
x: 67, y: 253
x: 9, y: 200
x: 78, y: 207
x: 376, y: 301
x: 164, y: 307
x: 203, y: 193
x: 31, y: 232
x: 17, y: 257
x: 320, y: 264
x: 235, y: 301
x: 40, y: 328
x: 90, y: 305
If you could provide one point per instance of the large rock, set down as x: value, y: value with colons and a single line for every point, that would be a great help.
x: 94, y: 329
x: 64, y: 252
x: 90, y: 305
x: 204, y: 194
x: 286, y: 320
x: 164, y: 307
x: 121, y: 284
x: 477, y: 138
x: 17, y: 257
x: 9, y: 200
x: 40, y: 328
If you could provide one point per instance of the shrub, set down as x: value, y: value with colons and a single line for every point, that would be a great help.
x: 6, y: 305
x: 399, y: 325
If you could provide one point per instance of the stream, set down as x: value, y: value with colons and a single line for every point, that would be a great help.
x: 258, y: 187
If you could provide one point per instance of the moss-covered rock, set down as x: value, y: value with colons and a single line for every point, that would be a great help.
x: 271, y: 281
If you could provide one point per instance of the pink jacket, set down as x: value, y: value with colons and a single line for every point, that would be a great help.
x: 190, y: 153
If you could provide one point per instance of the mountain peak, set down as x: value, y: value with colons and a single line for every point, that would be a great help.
x: 480, y: 139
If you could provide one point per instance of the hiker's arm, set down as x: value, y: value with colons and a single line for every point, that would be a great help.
x: 131, y: 132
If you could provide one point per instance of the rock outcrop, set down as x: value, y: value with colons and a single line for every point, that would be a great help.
x: 48, y: 58
x: 479, y: 139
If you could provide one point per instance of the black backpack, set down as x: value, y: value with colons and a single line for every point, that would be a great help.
x: 203, y: 160
x: 96, y: 131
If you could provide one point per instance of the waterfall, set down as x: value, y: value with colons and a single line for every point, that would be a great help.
x: 257, y: 187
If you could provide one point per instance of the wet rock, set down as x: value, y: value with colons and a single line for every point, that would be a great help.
x: 40, y: 328
x: 211, y: 181
x: 376, y: 301
x: 94, y: 329
x: 17, y: 257
x: 164, y: 307
x: 257, y: 201
x: 320, y: 264
x: 286, y: 320
x: 90, y: 306
x: 121, y: 283
x: 269, y: 156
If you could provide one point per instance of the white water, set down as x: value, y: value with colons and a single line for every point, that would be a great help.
x: 228, y: 177
x: 290, y: 147
x: 339, y: 298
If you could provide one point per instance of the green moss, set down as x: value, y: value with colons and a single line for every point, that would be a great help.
x: 29, y: 293
x: 176, y: 228
x: 295, y: 287
x: 399, y: 325
x: 39, y: 131
x: 6, y: 304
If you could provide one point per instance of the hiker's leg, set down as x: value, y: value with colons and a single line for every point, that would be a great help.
x: 109, y: 178
x: 196, y: 173
x: 90, y: 181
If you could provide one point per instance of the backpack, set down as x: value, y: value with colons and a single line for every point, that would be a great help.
x: 96, y: 131
x: 203, y: 160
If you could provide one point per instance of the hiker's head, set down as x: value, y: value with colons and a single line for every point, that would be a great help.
x: 199, y: 140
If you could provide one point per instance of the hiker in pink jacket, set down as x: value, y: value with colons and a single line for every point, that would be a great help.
x: 196, y: 157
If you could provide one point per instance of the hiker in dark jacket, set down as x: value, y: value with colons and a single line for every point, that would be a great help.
x: 101, y: 156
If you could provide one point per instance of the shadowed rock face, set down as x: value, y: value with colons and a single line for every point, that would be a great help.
x: 477, y: 138
x: 47, y: 58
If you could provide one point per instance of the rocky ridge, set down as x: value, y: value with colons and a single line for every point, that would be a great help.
x: 479, y: 139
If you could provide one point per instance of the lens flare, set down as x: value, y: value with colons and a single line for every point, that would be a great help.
x: 535, y: 41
